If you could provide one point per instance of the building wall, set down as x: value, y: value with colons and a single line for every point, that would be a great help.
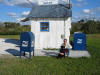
x: 51, y: 39
x: 47, y: 2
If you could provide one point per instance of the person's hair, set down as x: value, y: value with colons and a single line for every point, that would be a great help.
x: 65, y: 39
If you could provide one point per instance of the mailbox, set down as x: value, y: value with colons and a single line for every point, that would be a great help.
x: 79, y: 41
x: 27, y: 41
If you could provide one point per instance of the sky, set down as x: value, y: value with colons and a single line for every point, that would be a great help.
x: 15, y: 10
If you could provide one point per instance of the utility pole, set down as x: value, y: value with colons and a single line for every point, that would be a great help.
x: 65, y: 18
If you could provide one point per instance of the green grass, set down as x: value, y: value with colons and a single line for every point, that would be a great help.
x: 53, y: 66
x: 10, y: 36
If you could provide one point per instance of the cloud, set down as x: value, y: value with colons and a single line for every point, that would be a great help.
x: 86, y: 11
x: 93, y: 11
x: 12, y: 14
x: 28, y: 3
x: 23, y: 3
x: 79, y: 3
x: 25, y: 13
x: 4, y: 2
x: 87, y: 14
x: 0, y: 20
x: 25, y: 23
x: 75, y: 18
x: 16, y: 17
x: 76, y: 5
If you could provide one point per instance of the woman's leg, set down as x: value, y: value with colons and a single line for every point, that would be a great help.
x: 68, y: 51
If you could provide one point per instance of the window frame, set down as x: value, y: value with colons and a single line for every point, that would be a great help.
x: 45, y: 26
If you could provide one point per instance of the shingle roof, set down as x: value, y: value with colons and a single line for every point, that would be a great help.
x: 50, y: 11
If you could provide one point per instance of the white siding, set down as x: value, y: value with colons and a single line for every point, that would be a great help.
x: 67, y: 28
x: 46, y: 2
x: 51, y: 39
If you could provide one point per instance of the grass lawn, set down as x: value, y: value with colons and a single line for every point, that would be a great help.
x: 10, y: 36
x: 53, y: 66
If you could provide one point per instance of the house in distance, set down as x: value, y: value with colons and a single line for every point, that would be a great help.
x: 50, y: 22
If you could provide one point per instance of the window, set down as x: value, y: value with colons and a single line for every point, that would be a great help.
x: 44, y: 26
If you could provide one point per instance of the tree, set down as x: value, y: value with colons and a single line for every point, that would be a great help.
x: 91, y: 26
x: 11, y: 25
x: 88, y: 26
x: 98, y: 26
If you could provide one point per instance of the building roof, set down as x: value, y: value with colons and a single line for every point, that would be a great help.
x: 51, y: 11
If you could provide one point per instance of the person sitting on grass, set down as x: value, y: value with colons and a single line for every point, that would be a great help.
x: 65, y: 48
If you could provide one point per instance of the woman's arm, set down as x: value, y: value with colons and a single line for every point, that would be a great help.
x: 68, y: 46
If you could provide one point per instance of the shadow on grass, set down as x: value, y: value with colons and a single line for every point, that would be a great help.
x: 12, y: 41
x: 17, y: 53
x: 47, y: 53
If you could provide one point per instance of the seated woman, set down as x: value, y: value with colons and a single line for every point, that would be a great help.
x: 65, y: 48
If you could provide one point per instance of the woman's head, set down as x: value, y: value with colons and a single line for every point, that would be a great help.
x: 65, y: 40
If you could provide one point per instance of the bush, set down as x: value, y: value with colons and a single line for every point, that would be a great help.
x: 13, y: 28
x: 88, y: 27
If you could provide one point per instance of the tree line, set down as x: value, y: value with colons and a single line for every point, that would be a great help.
x: 11, y: 28
x: 86, y: 26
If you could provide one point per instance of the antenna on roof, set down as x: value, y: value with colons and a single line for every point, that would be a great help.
x: 69, y: 4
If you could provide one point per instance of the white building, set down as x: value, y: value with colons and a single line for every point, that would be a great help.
x: 49, y: 23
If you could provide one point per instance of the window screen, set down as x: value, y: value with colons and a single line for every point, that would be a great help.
x: 44, y: 26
